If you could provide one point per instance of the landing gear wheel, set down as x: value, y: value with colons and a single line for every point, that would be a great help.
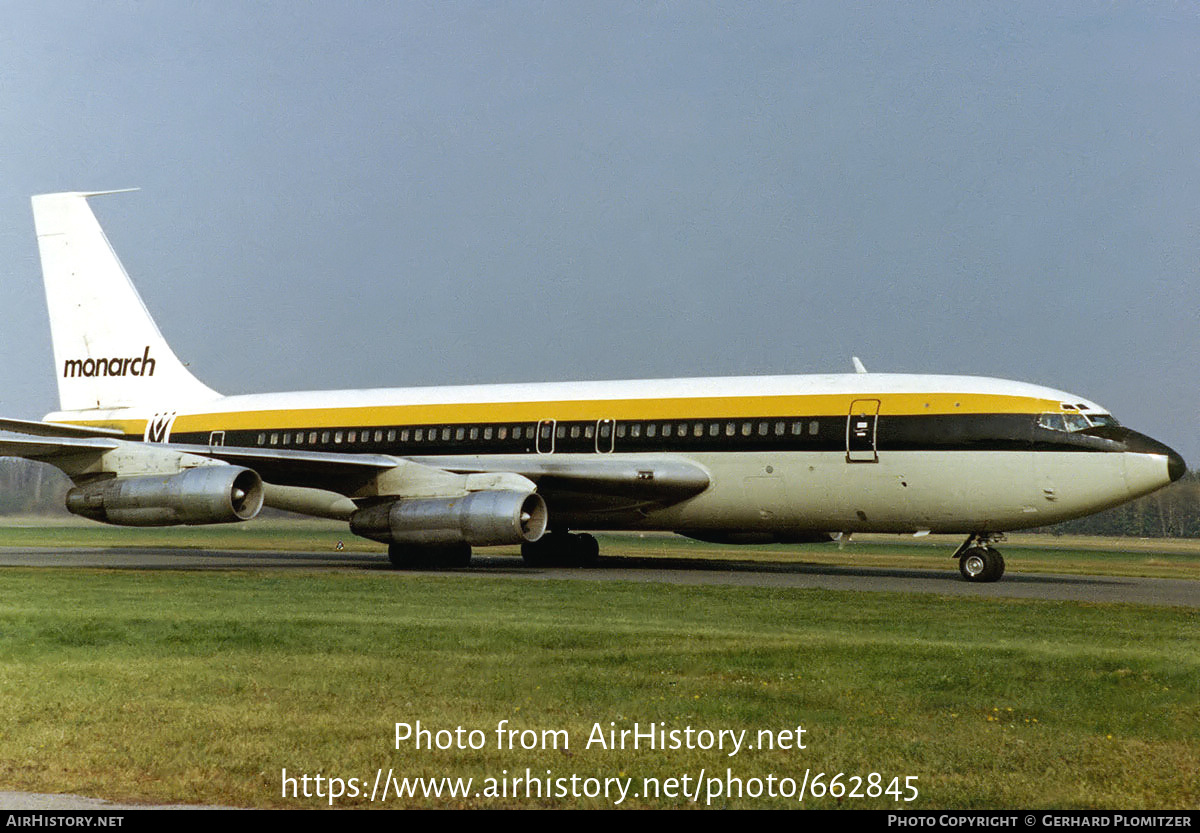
x: 561, y: 549
x: 588, y: 549
x: 408, y: 557
x: 981, y: 564
x: 536, y: 553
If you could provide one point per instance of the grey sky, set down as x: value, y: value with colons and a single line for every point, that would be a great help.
x: 366, y: 194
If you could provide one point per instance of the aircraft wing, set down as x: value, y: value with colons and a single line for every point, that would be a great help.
x: 50, y: 448
x: 577, y: 482
x: 343, y: 473
x: 585, y: 482
x: 55, y: 429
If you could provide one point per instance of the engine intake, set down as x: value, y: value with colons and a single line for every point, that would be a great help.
x: 485, y: 518
x: 203, y: 495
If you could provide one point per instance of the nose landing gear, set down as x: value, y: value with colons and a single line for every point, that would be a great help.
x: 977, y: 560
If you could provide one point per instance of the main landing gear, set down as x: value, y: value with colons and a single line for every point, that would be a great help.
x: 977, y: 560
x: 560, y: 548
x: 409, y: 557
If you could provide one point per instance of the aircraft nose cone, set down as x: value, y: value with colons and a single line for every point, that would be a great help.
x: 1141, y: 444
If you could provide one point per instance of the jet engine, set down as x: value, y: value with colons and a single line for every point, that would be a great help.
x: 484, y: 518
x: 202, y: 495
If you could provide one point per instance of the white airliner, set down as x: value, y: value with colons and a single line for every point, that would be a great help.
x: 433, y: 472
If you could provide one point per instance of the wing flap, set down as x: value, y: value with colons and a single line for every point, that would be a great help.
x: 48, y: 448
x: 56, y: 429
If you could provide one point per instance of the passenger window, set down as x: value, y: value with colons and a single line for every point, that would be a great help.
x: 779, y: 427
x: 474, y: 433
x: 812, y: 427
x: 651, y: 429
x: 502, y: 433
x: 353, y: 436
x: 730, y: 429
x: 460, y: 433
x: 635, y: 430
x: 666, y: 432
x: 487, y: 433
x: 262, y: 439
x: 746, y: 429
x: 392, y: 435
x: 312, y: 438
x: 337, y: 437
x: 762, y: 429
x: 574, y: 432
x: 714, y: 429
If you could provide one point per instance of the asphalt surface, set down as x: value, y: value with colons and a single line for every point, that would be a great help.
x: 1078, y: 588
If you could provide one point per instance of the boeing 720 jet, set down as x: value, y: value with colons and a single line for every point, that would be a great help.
x: 433, y: 472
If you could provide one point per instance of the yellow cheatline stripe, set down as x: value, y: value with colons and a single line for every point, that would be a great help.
x: 818, y: 405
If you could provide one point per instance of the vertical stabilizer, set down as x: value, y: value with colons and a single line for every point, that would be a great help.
x: 108, y: 352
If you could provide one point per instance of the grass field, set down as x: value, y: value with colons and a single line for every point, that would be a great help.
x: 202, y: 688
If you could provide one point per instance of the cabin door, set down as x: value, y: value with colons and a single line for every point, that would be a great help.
x: 861, y: 426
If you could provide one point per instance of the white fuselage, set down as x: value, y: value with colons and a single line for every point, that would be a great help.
x: 788, y: 455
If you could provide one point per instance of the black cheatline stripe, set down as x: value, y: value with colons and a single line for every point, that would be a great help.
x: 935, y: 432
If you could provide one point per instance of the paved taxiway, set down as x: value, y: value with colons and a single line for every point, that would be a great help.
x: 1151, y: 591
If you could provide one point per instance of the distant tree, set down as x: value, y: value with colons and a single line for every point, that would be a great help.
x: 31, y: 488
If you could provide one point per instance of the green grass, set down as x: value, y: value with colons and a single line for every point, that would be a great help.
x: 201, y: 688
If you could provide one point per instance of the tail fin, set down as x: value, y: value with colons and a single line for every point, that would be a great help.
x: 108, y: 351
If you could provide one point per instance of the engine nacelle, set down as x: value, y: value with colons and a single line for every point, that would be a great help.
x: 203, y: 495
x: 480, y: 519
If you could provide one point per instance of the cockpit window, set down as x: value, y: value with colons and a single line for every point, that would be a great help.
x: 1076, y: 422
x: 1052, y: 421
x: 1072, y: 422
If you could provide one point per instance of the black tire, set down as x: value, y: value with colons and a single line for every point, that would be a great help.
x: 400, y: 556
x: 536, y: 553
x: 981, y: 564
x: 997, y: 567
x: 458, y: 555
x: 407, y: 557
x: 589, y: 550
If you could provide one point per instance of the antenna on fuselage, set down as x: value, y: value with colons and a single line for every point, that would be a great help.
x: 858, y: 365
